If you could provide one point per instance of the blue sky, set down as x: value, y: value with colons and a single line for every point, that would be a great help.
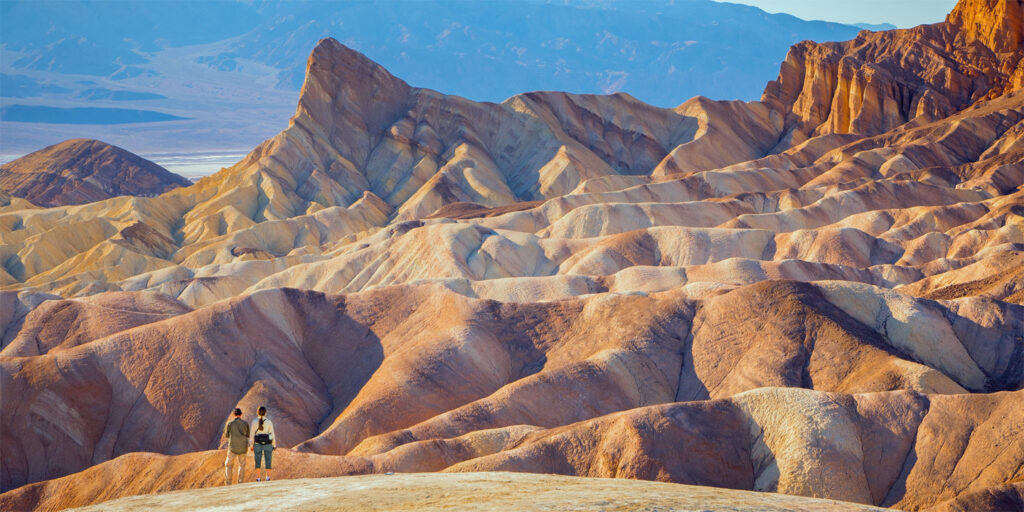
x: 902, y: 13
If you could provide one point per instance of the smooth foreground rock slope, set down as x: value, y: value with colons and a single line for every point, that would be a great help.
x: 81, y: 171
x: 820, y: 294
x: 503, y: 491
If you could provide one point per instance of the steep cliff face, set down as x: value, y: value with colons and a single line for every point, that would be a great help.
x: 997, y: 24
x: 81, y: 171
x: 881, y: 80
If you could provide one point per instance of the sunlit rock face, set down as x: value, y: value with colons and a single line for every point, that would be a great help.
x: 789, y: 296
x: 881, y: 80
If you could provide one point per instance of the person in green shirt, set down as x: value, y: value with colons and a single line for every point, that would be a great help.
x: 237, y: 434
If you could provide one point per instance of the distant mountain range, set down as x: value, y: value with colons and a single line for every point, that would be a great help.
x: 233, y: 69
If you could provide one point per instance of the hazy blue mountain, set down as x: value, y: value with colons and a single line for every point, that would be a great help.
x: 234, y: 67
x: 105, y: 37
x: 875, y: 27
x: 660, y: 51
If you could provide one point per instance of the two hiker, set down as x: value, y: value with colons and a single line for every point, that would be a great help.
x: 242, y: 437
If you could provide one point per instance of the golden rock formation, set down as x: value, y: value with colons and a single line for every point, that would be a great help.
x: 881, y: 80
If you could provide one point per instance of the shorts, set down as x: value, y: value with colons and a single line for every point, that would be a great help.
x: 263, y: 450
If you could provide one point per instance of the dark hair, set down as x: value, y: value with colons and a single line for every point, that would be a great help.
x: 261, y: 411
x: 238, y: 412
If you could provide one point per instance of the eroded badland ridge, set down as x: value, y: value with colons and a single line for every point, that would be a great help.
x: 819, y: 294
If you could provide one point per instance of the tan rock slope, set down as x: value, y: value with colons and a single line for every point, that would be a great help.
x: 81, y: 171
x: 820, y: 294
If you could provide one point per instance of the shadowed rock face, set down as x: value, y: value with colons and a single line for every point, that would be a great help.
x: 560, y: 283
x: 79, y: 171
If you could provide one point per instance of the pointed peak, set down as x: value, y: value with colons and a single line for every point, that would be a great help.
x: 339, y: 78
x: 330, y: 47
x: 333, y: 60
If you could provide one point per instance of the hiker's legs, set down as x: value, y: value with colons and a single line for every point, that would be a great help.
x: 241, y: 467
x: 228, y: 462
x: 257, y: 455
x: 268, y: 453
x: 231, y: 460
x: 261, y: 452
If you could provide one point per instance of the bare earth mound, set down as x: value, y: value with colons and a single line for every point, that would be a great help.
x: 81, y: 171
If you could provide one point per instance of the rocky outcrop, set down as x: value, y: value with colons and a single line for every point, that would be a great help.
x: 881, y: 80
x: 81, y: 171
